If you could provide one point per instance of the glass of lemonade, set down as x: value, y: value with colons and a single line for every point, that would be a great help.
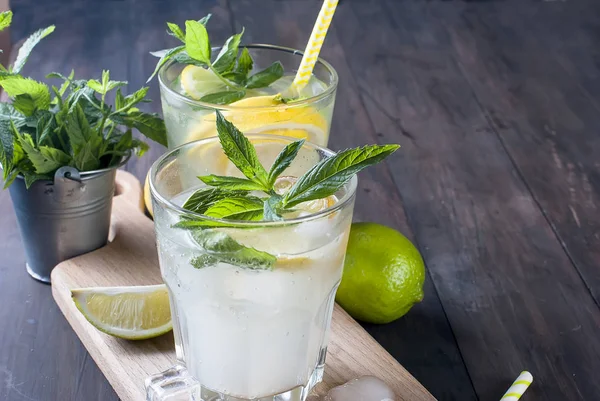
x: 188, y: 119
x: 242, y: 331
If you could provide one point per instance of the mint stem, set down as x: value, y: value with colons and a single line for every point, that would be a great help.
x: 226, y: 82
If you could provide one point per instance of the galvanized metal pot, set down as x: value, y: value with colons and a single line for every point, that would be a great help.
x: 63, y: 218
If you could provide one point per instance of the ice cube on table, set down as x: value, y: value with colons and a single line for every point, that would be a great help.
x: 365, y: 388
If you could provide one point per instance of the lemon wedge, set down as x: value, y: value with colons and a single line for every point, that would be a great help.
x: 198, y: 82
x: 132, y: 313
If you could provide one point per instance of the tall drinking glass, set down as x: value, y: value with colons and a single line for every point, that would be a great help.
x: 188, y: 119
x: 244, y: 331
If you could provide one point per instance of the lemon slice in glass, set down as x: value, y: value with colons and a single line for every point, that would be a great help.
x: 301, y: 122
x: 198, y: 82
x: 133, y: 313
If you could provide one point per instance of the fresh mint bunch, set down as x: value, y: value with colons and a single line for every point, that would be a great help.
x: 233, y: 200
x: 45, y: 128
x: 231, y: 66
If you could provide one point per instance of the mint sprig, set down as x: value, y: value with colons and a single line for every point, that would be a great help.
x: 44, y: 128
x: 230, y: 66
x: 324, y: 179
x: 241, y: 152
x: 233, y: 199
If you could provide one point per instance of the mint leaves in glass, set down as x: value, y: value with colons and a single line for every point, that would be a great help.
x: 231, y: 66
x: 252, y: 233
x: 46, y: 127
x: 245, y: 82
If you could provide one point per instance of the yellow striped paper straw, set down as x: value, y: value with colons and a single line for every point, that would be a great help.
x: 518, y: 387
x: 313, y: 48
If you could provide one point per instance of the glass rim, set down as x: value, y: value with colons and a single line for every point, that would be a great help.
x: 344, y: 201
x: 331, y: 88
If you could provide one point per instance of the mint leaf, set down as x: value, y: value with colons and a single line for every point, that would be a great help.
x: 95, y: 85
x: 202, y: 261
x: 270, y: 208
x: 106, y: 85
x: 222, y: 248
x: 151, y: 125
x: 45, y: 127
x: 119, y: 100
x: 17, y: 85
x: 241, y: 152
x: 236, y: 77
x: 45, y: 160
x: 176, y: 31
x: 28, y: 46
x: 197, y: 44
x: 231, y: 183
x: 237, y: 208
x: 24, y: 103
x: 7, y: 143
x: 284, y: 159
x: 204, y: 198
x: 78, y: 130
x: 87, y: 158
x: 244, y: 63
x: 31, y: 177
x: 223, y: 97
x: 265, y: 77
x: 330, y: 174
x: 164, y: 55
x: 9, y: 113
x: 76, y: 96
x: 184, y: 58
x: 56, y: 156
x: 5, y: 19
x: 225, y: 60
x: 65, y: 84
x: 10, y: 177
x: 124, y: 104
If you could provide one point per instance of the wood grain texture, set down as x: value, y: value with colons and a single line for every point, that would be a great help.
x: 560, y: 124
x: 422, y: 341
x: 512, y: 295
x: 131, y: 259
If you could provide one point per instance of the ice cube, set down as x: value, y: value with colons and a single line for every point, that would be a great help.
x: 365, y: 388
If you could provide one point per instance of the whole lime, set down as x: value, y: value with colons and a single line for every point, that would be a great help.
x: 383, y: 274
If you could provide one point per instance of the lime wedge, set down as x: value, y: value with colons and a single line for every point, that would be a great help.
x: 133, y: 313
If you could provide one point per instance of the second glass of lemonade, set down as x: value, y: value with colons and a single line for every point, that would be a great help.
x: 309, y: 117
x: 244, y: 331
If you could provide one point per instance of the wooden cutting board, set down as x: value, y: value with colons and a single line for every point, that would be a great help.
x: 131, y: 259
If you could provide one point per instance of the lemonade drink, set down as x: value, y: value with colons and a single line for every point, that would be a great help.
x: 242, y: 331
x: 187, y: 119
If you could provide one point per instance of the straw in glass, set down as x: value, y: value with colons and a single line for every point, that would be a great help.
x: 313, y: 48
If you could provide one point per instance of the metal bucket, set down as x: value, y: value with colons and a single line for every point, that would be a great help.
x: 65, y: 218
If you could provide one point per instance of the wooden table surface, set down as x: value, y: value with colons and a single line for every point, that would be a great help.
x: 497, y: 108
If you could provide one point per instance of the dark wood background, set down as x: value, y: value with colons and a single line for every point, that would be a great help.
x: 497, y: 107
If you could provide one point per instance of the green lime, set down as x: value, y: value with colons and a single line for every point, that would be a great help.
x: 383, y: 274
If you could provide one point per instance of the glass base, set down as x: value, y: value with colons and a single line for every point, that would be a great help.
x: 176, y: 384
